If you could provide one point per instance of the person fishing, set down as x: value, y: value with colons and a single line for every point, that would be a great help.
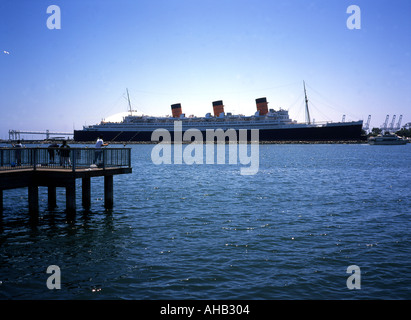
x: 51, y: 150
x: 18, y: 147
x: 99, y: 151
x: 64, y: 151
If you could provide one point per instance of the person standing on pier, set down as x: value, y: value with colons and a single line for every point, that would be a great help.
x: 64, y: 154
x: 51, y: 148
x: 99, y: 144
x: 18, y: 145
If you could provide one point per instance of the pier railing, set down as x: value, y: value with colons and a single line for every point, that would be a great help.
x: 63, y: 158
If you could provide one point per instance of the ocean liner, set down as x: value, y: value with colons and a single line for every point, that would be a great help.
x: 272, y: 125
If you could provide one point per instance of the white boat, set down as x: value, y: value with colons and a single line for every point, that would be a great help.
x: 387, y: 139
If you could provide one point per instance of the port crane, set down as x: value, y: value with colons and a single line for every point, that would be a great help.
x: 398, y: 125
x: 366, y: 127
x: 385, y: 124
x: 391, y: 127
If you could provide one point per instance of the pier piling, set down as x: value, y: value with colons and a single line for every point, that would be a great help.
x: 52, y: 197
x: 86, y: 193
x: 1, y: 202
x: 33, y: 199
x: 108, y: 192
x: 71, y: 196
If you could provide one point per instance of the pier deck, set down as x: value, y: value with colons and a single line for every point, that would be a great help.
x: 44, y: 167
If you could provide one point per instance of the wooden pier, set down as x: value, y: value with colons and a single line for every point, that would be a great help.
x: 52, y: 168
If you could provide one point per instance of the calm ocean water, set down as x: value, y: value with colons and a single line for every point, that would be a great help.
x: 208, y: 232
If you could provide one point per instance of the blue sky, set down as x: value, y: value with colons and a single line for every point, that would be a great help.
x: 195, y: 52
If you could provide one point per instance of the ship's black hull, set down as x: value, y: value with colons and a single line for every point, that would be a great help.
x: 324, y: 133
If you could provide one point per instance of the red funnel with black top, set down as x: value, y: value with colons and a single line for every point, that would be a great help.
x: 218, y: 107
x: 262, y: 106
x: 176, y: 110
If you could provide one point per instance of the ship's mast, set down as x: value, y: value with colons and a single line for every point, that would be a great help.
x: 307, y: 111
x: 129, y: 104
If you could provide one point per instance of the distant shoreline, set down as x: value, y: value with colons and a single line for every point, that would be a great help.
x: 188, y: 142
